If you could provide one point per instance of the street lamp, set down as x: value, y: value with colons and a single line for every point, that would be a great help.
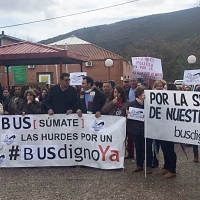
x: 108, y: 64
x: 191, y: 59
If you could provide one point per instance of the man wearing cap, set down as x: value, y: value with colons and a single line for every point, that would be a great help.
x: 126, y: 84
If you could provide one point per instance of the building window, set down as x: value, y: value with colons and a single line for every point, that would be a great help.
x: 46, y: 77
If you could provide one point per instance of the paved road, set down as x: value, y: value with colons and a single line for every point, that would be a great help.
x: 88, y: 183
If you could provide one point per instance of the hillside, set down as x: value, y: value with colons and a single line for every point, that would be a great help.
x: 174, y: 26
x: 170, y: 37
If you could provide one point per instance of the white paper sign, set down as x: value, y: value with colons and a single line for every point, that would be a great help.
x: 147, y: 67
x: 136, y: 114
x: 192, y: 77
x: 62, y: 140
x: 77, y: 77
x: 172, y: 116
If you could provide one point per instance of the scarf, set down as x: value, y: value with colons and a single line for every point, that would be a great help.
x: 90, y: 98
x: 119, y: 103
x: 90, y: 102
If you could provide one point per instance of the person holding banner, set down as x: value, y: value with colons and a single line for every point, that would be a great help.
x: 117, y: 103
x: 136, y: 128
x: 62, y: 98
x: 170, y: 158
x: 91, y: 100
x: 158, y: 85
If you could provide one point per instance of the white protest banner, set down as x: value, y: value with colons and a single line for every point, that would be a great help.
x: 147, y: 67
x: 192, y: 77
x: 62, y: 140
x: 172, y: 116
x: 136, y: 114
x: 77, y: 77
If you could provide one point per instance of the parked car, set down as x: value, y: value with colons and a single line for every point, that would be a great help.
x: 178, y: 83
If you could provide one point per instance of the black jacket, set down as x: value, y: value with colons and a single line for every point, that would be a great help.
x: 135, y: 127
x: 127, y: 93
x: 43, y: 105
x: 98, y: 102
x: 32, y: 108
x: 61, y: 101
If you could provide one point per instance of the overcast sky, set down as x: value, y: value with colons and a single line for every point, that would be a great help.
x: 22, y: 11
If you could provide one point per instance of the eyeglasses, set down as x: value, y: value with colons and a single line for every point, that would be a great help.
x: 126, y: 81
x: 66, y: 80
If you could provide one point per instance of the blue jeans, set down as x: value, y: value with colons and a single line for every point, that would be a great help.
x: 170, y: 157
x: 139, y: 147
x: 195, y: 148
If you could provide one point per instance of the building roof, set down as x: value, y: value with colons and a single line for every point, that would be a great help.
x: 71, y: 40
x: 93, y: 51
x: 2, y: 35
x: 79, y: 46
x: 29, y: 53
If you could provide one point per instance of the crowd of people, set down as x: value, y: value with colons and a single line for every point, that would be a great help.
x: 98, y: 98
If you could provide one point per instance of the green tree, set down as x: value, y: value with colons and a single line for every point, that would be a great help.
x: 169, y: 53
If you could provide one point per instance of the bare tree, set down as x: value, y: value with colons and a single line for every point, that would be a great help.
x: 28, y: 38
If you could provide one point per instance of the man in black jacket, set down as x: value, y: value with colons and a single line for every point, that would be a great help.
x: 91, y: 100
x: 62, y: 98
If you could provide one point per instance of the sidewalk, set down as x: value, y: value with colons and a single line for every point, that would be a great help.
x: 87, y: 183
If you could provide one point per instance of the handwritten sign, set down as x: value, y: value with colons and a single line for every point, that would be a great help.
x: 77, y: 77
x: 147, y: 67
